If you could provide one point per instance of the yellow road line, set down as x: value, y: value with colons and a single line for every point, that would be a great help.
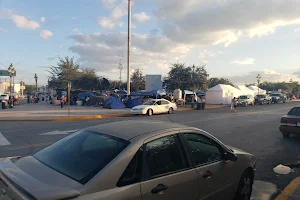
x: 289, y: 190
x: 28, y: 146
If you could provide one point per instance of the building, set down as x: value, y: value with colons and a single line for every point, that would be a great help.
x: 5, y: 87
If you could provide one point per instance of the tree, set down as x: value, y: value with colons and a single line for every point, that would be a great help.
x: 29, y: 89
x: 182, y: 77
x: 137, y: 80
x: 87, y: 80
x: 250, y: 84
x: 215, y: 81
x: 66, y: 70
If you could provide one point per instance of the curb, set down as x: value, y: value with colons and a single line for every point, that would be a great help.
x: 77, y: 118
x: 289, y: 190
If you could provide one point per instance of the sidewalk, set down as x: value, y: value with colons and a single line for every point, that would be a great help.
x: 44, y: 112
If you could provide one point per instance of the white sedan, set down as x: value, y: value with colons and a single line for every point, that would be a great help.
x: 154, y: 106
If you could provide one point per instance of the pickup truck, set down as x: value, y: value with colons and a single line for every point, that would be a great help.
x: 263, y: 99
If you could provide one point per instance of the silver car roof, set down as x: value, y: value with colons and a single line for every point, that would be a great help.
x: 131, y: 129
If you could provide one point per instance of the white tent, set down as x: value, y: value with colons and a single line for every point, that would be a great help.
x: 257, y: 90
x: 221, y: 94
x: 244, y: 90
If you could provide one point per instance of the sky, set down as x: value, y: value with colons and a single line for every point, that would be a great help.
x: 236, y: 39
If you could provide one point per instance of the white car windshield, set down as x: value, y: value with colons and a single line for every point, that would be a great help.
x: 149, y: 103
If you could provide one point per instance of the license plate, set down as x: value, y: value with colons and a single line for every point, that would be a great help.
x: 298, y: 123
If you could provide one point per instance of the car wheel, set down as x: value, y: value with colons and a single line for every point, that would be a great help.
x: 262, y: 103
x: 285, y: 135
x: 245, y: 186
x: 246, y: 104
x: 171, y: 110
x: 150, y: 112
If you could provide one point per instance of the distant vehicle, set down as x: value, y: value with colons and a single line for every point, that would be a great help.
x: 4, y: 97
x: 154, y: 106
x: 245, y: 100
x: 278, y: 97
x: 290, y: 123
x: 131, y: 160
x: 263, y: 99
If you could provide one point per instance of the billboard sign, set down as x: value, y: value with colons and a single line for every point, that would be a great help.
x: 5, y: 73
x: 153, y: 82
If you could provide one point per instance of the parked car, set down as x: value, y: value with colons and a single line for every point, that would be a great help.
x: 154, y: 106
x: 290, y: 123
x: 4, y: 97
x: 263, y: 99
x: 131, y: 160
x: 245, y: 100
x: 278, y: 97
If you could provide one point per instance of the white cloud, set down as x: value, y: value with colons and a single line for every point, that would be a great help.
x: 152, y: 53
x: 3, y: 30
x: 60, y: 47
x: 223, y: 22
x: 296, y: 30
x: 74, y: 18
x: 246, y: 61
x: 43, y: 19
x: 106, y: 23
x: 24, y: 23
x: 76, y: 30
x: 116, y: 15
x: 108, y: 3
x: 45, y: 34
x: 266, y: 74
x: 141, y: 17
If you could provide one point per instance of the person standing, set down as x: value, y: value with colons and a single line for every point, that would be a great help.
x: 233, y: 104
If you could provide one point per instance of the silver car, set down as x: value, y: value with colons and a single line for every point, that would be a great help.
x: 131, y: 161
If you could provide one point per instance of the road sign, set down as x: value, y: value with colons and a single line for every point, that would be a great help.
x: 5, y: 73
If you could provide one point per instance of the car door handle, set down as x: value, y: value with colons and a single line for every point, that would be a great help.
x: 207, y: 175
x: 159, y: 188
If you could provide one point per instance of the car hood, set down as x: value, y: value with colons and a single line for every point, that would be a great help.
x: 236, y: 150
x: 37, y: 179
x: 141, y: 106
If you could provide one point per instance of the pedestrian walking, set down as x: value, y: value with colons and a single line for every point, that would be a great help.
x: 233, y: 105
x: 62, y: 102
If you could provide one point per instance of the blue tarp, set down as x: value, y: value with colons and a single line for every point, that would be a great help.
x: 149, y: 93
x: 113, y: 103
x: 134, y: 102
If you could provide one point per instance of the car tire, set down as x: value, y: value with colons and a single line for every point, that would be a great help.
x: 262, y: 103
x: 150, y: 112
x: 285, y: 135
x: 245, y: 186
x: 171, y: 110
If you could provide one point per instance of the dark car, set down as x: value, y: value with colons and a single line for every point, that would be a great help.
x: 263, y: 99
x: 290, y: 123
x: 278, y: 97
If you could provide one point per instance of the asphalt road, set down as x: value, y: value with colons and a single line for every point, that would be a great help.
x: 253, y: 129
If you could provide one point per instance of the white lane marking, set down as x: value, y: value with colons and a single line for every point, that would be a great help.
x: 55, y: 133
x: 71, y: 131
x: 3, y: 140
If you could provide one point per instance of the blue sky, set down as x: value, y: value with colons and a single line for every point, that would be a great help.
x: 236, y: 39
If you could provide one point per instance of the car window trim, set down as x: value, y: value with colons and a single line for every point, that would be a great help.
x: 190, y: 152
x: 171, y: 133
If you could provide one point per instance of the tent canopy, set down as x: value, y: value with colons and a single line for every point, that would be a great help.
x: 244, y: 90
x: 113, y: 103
x: 257, y: 90
x: 149, y: 93
x: 221, y: 94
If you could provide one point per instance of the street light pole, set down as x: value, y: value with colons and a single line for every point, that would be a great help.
x: 194, y: 82
x: 36, y: 79
x: 128, y: 47
x: 258, y: 81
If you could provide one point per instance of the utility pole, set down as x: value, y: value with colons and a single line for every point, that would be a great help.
x: 120, y: 68
x: 128, y: 47
x: 69, y: 97
x: 36, y: 79
x: 258, y: 82
x: 194, y: 97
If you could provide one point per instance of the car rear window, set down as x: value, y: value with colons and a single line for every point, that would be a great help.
x: 81, y: 155
x: 295, y: 112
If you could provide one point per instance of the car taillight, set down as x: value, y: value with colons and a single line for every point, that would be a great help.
x: 283, y: 120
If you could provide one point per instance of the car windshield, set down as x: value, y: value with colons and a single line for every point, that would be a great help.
x: 260, y: 96
x: 295, y: 112
x: 82, y: 155
x: 149, y: 103
x: 243, y: 97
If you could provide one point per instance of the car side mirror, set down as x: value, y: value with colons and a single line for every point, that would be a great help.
x: 230, y: 156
